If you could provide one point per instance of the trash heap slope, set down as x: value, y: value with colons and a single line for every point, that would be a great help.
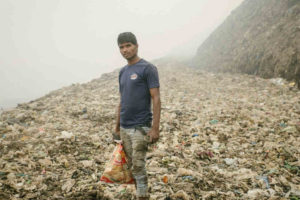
x: 260, y: 37
x: 222, y: 136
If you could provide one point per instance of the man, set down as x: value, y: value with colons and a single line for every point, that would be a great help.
x: 138, y: 85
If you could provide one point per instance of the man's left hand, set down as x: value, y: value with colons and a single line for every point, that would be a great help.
x: 154, y: 135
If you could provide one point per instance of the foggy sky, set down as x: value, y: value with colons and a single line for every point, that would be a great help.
x: 47, y: 44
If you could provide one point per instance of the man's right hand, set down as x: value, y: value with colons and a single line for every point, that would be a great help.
x: 116, y: 135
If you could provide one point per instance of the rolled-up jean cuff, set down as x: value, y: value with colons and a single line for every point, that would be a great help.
x: 142, y: 191
x: 141, y: 186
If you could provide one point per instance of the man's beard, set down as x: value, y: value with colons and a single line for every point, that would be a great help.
x: 131, y: 58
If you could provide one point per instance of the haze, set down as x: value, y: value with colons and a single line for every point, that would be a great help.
x: 47, y: 44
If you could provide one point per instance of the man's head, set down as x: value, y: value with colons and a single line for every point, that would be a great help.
x: 128, y: 45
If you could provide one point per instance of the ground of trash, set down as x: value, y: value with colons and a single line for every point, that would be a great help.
x: 223, y: 136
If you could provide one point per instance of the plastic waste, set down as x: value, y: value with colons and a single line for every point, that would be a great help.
x: 214, y: 121
x: 53, y: 142
x: 116, y: 170
x: 230, y: 161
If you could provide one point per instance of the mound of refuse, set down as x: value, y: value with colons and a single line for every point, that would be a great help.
x: 260, y: 37
x: 222, y: 136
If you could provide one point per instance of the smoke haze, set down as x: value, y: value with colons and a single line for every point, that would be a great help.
x: 49, y: 44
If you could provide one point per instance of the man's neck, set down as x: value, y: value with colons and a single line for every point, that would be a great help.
x: 133, y: 60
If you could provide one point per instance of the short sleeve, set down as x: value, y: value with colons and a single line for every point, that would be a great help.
x: 152, y: 78
x: 120, y: 74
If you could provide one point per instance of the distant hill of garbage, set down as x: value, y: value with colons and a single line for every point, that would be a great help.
x: 260, y: 37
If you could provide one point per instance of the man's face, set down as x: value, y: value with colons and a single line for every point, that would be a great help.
x: 128, y: 50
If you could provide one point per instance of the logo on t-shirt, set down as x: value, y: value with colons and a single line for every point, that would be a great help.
x: 133, y: 76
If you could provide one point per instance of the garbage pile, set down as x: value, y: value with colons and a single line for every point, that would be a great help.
x: 223, y: 136
x: 258, y: 37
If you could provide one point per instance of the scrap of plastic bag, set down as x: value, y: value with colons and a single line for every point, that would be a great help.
x: 116, y: 170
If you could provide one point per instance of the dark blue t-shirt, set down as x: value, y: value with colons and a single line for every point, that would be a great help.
x: 134, y: 84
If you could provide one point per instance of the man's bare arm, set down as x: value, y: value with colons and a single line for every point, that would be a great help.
x: 117, y: 129
x: 155, y: 95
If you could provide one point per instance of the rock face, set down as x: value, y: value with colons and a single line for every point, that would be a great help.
x: 260, y: 37
x: 223, y: 136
